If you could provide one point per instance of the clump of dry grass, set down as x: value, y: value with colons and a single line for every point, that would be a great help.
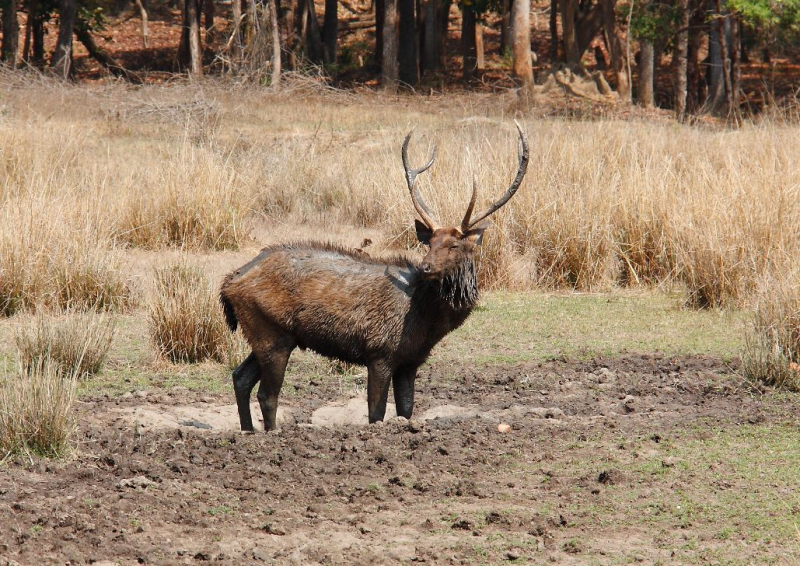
x: 44, y: 263
x: 36, y: 414
x: 186, y: 323
x: 199, y: 199
x: 77, y: 343
x: 772, y: 346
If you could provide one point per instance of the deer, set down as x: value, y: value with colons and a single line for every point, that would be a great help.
x: 385, y: 314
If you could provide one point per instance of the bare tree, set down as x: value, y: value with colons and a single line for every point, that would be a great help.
x: 390, y: 67
x: 618, y: 58
x: 330, y: 31
x: 10, y: 33
x: 468, y: 48
x: 646, y: 64
x: 521, y: 16
x: 189, y: 52
x: 408, y: 62
x: 272, y: 6
x: 62, y: 57
x: 681, y: 47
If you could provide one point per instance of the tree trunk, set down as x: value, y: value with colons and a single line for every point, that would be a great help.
x: 723, y: 30
x: 330, y: 31
x: 521, y: 16
x: 568, y: 10
x: 617, y: 52
x: 716, y: 82
x: 193, y: 26
x: 430, y: 59
x: 480, y: 56
x: 468, y: 50
x: 143, y: 15
x: 190, y: 54
x: 314, y: 48
x: 390, y: 67
x: 646, y: 64
x: 554, y: 30
x: 380, y: 14
x: 276, y: 44
x: 506, y: 33
x: 442, y: 27
x: 681, y: 47
x: 694, y: 94
x: 37, y: 31
x: 408, y: 67
x: 736, y: 68
x: 62, y: 57
x: 10, y: 33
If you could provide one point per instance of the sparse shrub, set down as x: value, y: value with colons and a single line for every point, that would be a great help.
x: 186, y: 322
x: 36, y: 409
x: 772, y: 344
x: 75, y: 344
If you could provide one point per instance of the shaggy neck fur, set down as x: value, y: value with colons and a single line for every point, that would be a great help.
x: 459, y: 288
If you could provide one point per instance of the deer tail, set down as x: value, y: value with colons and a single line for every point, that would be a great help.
x: 227, y: 308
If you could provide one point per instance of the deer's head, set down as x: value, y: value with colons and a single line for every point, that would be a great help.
x: 451, y: 248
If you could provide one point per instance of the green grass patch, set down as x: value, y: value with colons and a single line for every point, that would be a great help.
x: 515, y: 327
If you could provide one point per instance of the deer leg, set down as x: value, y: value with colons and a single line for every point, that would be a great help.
x: 273, y: 368
x: 245, y: 377
x: 403, y: 384
x: 379, y: 375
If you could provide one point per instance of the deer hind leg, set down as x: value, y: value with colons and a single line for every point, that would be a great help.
x: 379, y: 375
x: 245, y: 377
x: 273, y: 368
x: 403, y: 384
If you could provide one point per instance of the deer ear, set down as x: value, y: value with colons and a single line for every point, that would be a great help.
x: 475, y: 234
x: 424, y: 234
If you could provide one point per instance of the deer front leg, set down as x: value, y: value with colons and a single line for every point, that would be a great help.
x: 379, y: 375
x: 403, y: 383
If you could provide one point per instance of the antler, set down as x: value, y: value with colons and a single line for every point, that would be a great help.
x: 471, y: 206
x: 466, y: 224
x: 411, y: 176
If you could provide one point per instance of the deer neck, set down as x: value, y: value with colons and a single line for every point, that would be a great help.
x: 458, y: 290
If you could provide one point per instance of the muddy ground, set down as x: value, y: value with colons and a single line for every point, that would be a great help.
x: 588, y: 473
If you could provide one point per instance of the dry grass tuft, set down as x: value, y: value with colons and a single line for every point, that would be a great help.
x: 75, y: 344
x: 772, y: 347
x: 36, y: 410
x: 186, y: 323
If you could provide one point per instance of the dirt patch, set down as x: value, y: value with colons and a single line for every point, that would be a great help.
x: 563, y: 484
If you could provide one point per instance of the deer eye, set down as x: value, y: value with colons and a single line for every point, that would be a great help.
x: 455, y: 246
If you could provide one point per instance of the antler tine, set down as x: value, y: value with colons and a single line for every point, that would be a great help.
x: 523, y: 166
x: 471, y: 206
x: 411, y: 176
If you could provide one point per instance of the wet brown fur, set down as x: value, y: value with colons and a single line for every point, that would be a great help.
x: 386, y: 314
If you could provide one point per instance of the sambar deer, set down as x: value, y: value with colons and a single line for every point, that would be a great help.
x: 384, y: 314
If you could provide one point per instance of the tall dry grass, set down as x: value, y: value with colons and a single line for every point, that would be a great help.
x: 186, y: 323
x: 604, y: 204
x: 36, y: 415
x: 772, y: 345
x: 77, y: 343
